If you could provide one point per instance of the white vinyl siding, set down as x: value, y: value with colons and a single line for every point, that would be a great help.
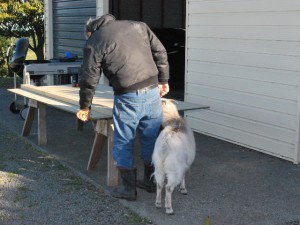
x: 243, y: 61
x: 48, y: 29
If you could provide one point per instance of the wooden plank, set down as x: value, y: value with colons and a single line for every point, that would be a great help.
x: 96, y: 150
x: 102, y: 101
x: 42, y: 124
x: 100, y: 136
x: 29, y: 119
x: 113, y: 173
x: 57, y: 104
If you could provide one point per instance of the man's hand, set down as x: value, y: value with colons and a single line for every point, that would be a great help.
x: 164, y: 89
x: 84, y: 114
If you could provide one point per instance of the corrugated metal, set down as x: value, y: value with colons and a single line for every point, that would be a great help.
x: 69, y: 18
x: 243, y: 61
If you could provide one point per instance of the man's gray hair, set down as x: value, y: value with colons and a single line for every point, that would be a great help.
x: 89, y: 25
x: 93, y: 24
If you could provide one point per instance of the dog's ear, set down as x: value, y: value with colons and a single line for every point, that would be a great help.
x: 163, y: 101
x: 173, y: 101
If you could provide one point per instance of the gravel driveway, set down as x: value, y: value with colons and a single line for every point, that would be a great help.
x: 36, y: 189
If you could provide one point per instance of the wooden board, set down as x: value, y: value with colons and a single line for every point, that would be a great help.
x: 102, y: 101
x: 57, y: 104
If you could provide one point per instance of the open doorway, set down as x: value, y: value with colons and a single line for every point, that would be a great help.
x: 167, y: 20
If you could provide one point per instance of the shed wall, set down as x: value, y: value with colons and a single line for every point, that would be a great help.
x: 69, y: 17
x: 243, y: 61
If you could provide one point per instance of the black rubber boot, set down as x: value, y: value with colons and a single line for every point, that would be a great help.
x: 127, y: 189
x: 148, y: 182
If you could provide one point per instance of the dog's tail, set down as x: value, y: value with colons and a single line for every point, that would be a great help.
x: 166, y: 137
x: 176, y: 125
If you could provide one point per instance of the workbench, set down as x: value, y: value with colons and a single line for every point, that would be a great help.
x: 66, y: 98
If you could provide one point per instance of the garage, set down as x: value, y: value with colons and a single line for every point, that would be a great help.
x: 240, y: 57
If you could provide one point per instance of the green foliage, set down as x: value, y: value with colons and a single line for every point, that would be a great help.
x: 24, y: 18
x: 4, y: 44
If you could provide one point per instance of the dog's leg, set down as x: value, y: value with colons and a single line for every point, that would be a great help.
x: 183, y: 189
x: 158, y: 195
x: 168, y: 200
x: 160, y: 178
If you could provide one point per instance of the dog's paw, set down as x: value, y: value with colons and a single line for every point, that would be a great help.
x: 158, y: 204
x: 169, y: 211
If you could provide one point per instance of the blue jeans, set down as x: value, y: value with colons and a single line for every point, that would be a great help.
x: 132, y: 113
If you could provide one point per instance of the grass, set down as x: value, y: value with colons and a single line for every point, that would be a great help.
x: 30, y: 55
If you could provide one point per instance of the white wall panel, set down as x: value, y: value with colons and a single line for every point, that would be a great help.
x: 245, y: 72
x: 287, y: 108
x: 238, y: 6
x: 246, y: 45
x: 272, y: 147
x: 246, y: 18
x: 243, y: 109
x: 280, y: 62
x: 280, y: 91
x: 243, y: 60
x: 261, y: 32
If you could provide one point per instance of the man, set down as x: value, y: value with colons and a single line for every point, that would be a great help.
x: 136, y: 65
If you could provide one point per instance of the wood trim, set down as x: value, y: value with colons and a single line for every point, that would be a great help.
x: 29, y: 118
x: 42, y: 125
x: 113, y: 173
x: 48, y: 28
x: 100, y: 137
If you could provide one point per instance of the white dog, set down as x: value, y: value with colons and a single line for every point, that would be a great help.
x: 173, y: 154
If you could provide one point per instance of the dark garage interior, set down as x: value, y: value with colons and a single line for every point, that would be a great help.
x: 167, y: 20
